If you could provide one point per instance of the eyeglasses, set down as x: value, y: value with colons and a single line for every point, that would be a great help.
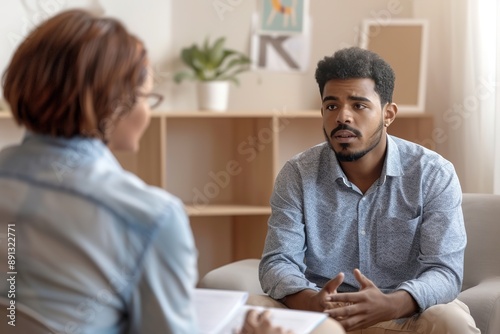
x: 153, y: 99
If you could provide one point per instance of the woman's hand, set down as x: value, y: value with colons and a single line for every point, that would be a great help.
x: 260, y: 323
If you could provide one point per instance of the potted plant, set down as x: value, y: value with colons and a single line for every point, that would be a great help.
x: 213, y: 66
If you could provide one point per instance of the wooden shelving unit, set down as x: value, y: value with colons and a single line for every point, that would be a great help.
x: 223, y: 166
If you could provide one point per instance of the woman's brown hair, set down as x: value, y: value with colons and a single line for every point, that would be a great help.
x: 75, y: 74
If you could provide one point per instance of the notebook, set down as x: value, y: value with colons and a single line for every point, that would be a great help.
x: 216, y: 308
x: 223, y: 312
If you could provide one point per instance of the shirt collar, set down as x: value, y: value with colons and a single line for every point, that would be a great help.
x: 392, y: 163
x: 84, y: 147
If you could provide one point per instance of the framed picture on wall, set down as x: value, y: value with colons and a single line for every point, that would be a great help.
x: 284, y: 17
x: 403, y: 44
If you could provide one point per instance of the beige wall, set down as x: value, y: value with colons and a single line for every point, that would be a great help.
x: 335, y: 25
x: 443, y: 57
x: 149, y: 19
x: 168, y: 25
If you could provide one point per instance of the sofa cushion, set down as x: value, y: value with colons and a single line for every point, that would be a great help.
x: 241, y: 275
x: 482, y: 222
x: 483, y: 301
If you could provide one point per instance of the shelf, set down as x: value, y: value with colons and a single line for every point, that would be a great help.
x: 312, y: 113
x: 227, y: 210
x: 244, y: 114
x: 239, y: 114
x: 222, y: 165
x: 415, y: 115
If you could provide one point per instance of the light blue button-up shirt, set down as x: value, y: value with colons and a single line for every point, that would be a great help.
x: 406, y: 232
x: 96, y: 249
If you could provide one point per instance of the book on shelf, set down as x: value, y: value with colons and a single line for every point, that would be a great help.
x: 223, y: 312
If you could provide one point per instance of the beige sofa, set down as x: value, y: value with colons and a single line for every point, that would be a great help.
x: 481, y: 287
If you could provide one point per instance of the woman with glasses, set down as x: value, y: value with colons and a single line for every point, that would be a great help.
x: 98, y: 250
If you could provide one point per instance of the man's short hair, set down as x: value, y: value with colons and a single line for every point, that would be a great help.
x: 354, y: 63
x: 74, y: 74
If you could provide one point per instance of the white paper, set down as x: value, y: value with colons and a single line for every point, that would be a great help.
x: 300, y: 322
x: 216, y: 308
x: 223, y: 312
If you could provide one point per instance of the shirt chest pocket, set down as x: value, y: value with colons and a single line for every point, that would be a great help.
x: 397, y: 242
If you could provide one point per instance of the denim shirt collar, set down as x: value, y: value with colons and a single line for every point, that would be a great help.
x: 83, y: 147
x: 87, y: 147
x: 76, y: 142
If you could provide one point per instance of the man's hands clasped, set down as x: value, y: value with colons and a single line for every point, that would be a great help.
x: 362, y: 309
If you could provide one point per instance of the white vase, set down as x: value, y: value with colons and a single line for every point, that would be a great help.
x: 213, y: 95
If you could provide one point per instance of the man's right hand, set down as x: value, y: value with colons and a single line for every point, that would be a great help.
x: 310, y: 300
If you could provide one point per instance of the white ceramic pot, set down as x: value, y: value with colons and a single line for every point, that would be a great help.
x: 213, y: 95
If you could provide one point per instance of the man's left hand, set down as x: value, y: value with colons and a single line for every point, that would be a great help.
x: 369, y: 305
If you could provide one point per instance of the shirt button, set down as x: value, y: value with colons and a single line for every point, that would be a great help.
x: 363, y: 232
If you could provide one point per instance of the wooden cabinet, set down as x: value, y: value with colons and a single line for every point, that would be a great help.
x: 223, y: 166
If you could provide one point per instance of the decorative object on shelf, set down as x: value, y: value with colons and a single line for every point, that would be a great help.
x: 213, y: 95
x: 410, y: 62
x: 214, y: 67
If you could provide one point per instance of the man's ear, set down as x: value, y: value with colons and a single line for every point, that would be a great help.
x: 390, y: 111
x: 321, y: 111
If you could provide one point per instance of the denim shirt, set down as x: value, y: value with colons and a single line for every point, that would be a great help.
x: 96, y: 249
x: 405, y: 232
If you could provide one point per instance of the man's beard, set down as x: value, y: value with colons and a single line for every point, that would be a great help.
x: 353, y: 156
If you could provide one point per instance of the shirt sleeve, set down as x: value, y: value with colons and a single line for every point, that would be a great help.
x: 282, y: 268
x: 162, y: 302
x: 443, y: 240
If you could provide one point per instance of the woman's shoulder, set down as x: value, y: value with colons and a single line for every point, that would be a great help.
x: 138, y: 203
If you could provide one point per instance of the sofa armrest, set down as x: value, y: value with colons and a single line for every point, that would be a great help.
x: 241, y: 276
x: 483, y: 301
x: 481, y: 261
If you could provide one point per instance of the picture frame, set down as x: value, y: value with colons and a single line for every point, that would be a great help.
x: 403, y: 44
x: 282, y: 17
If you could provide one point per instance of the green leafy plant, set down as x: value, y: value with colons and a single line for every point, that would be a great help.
x: 212, y: 62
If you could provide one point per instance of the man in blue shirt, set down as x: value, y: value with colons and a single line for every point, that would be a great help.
x: 366, y: 226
